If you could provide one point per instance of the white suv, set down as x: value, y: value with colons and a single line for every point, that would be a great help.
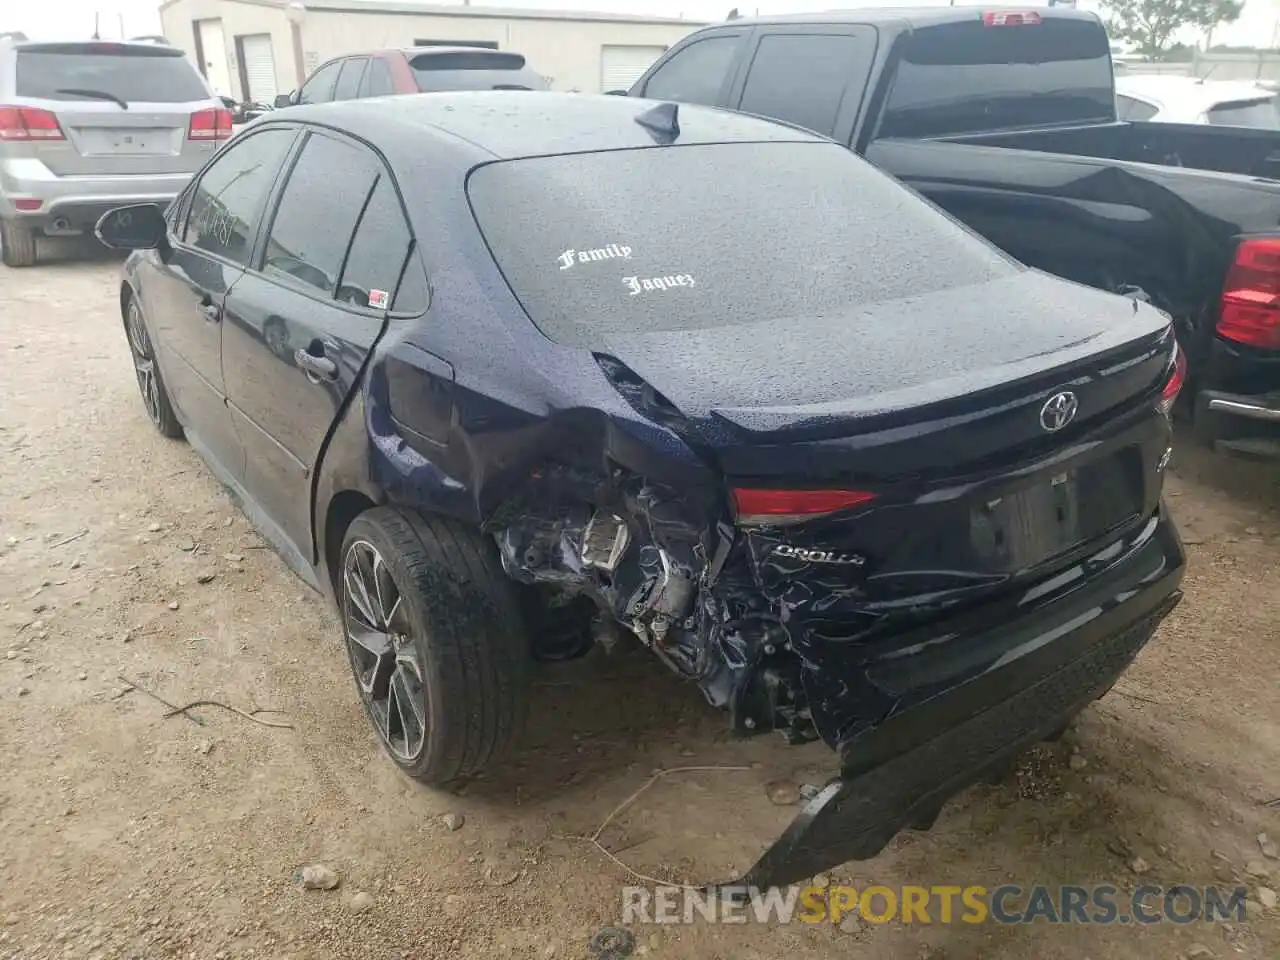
x: 85, y: 127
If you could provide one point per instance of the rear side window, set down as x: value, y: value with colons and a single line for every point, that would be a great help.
x: 1261, y: 114
x: 1127, y: 108
x: 971, y: 78
x: 377, y: 251
x: 348, y: 85
x: 611, y: 258
x: 696, y: 73
x: 319, y: 89
x: 802, y: 79
x: 474, y: 70
x: 106, y: 71
x: 227, y: 203
x: 377, y: 79
x: 314, y: 222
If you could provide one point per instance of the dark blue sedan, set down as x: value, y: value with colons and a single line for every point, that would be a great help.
x: 506, y: 375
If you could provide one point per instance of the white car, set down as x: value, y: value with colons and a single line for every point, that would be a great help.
x: 1173, y: 99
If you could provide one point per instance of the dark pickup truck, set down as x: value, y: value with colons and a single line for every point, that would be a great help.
x: 1007, y: 119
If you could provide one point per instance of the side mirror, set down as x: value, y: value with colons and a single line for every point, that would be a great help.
x: 283, y: 100
x: 615, y: 93
x: 140, y: 226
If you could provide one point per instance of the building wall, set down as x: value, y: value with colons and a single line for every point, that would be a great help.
x: 238, y: 19
x: 566, y: 51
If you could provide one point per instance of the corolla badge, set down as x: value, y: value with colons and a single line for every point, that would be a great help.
x: 1058, y: 411
x: 819, y: 556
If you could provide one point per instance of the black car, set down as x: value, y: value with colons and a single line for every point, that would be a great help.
x: 479, y: 364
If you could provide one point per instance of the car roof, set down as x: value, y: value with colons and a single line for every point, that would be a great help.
x: 913, y: 16
x: 89, y: 46
x: 504, y: 124
x: 1191, y: 93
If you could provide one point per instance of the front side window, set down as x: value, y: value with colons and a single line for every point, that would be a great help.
x: 828, y: 234
x: 226, y: 204
x: 314, y: 221
x: 696, y: 73
x: 319, y: 89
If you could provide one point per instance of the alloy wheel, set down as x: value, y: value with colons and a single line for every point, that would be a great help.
x: 384, y: 656
x: 144, y: 364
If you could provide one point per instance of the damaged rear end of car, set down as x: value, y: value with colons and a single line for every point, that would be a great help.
x: 875, y: 483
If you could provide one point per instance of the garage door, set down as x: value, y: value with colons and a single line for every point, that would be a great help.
x: 259, y: 67
x: 620, y: 67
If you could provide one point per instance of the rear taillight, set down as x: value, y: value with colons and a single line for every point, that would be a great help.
x: 28, y: 123
x: 1005, y: 18
x: 754, y: 506
x: 211, y: 124
x: 1173, y: 386
x: 1251, y: 298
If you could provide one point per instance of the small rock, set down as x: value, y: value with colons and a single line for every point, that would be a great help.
x: 23, y: 691
x: 204, y: 747
x: 186, y: 546
x: 1253, y: 531
x: 360, y: 903
x: 453, y: 821
x: 1257, y: 869
x: 11, y: 655
x: 1268, y: 847
x: 126, y: 637
x: 206, y: 576
x: 316, y: 876
x: 1139, y: 866
x: 233, y: 558
x: 154, y: 528
x: 1077, y: 762
x: 174, y: 604
x: 850, y: 923
x: 75, y: 564
x: 1190, y: 538
x: 227, y: 522
x: 821, y: 880
x: 782, y: 793
x: 1267, y: 897
x: 82, y: 675
x: 1198, y: 951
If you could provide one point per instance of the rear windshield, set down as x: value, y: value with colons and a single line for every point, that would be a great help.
x: 474, y: 70
x: 970, y: 78
x: 131, y: 74
x: 723, y: 235
x: 1262, y: 114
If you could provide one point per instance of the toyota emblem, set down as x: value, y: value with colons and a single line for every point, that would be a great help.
x: 1058, y: 411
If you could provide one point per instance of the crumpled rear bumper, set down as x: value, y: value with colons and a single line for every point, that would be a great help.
x: 901, y: 773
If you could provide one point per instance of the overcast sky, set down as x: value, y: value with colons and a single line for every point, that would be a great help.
x: 73, y: 19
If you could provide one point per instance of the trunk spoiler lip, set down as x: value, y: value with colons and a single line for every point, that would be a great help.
x: 1006, y: 386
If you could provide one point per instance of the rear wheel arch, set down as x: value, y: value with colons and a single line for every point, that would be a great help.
x: 344, y: 506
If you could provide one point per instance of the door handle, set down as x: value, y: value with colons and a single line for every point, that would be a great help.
x: 316, y: 368
x: 211, y: 312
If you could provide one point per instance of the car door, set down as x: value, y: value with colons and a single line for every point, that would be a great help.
x: 698, y: 70
x: 302, y: 322
x: 212, y: 234
x: 812, y: 75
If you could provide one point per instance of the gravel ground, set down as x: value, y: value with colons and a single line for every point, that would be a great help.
x: 129, y: 834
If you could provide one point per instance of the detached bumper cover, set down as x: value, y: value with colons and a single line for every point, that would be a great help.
x: 901, y: 773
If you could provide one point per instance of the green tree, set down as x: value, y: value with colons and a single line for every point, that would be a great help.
x: 1150, y: 25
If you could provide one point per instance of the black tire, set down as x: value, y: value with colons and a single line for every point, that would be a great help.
x: 157, y: 404
x: 456, y: 622
x: 17, y: 244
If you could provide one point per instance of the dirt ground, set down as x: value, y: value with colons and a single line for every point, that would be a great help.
x: 124, y: 833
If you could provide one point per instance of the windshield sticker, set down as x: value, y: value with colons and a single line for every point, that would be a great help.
x: 613, y: 251
x: 639, y: 284
x: 378, y: 298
